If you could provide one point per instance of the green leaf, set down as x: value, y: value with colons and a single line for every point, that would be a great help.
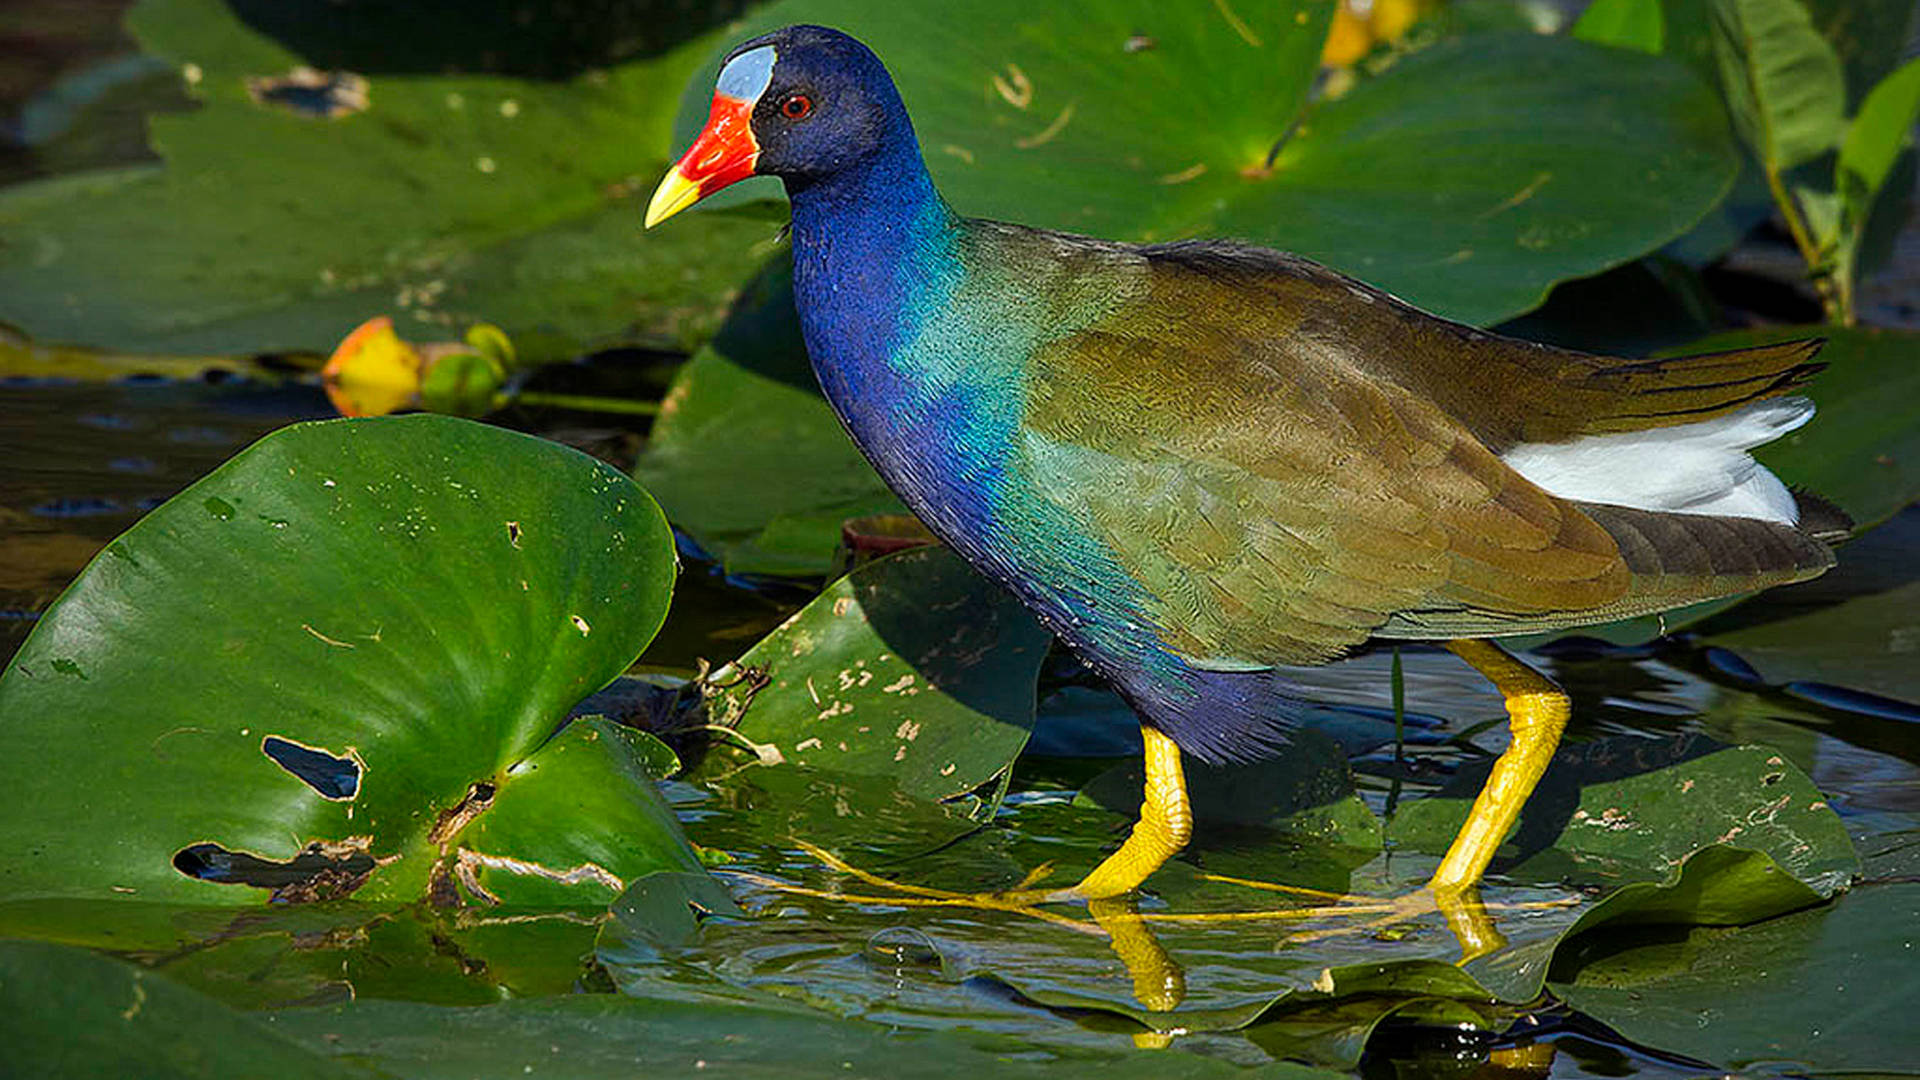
x: 859, y: 815
x: 1625, y: 24
x: 595, y: 777
x: 1875, y: 138
x: 461, y: 384
x: 1822, y: 210
x: 1335, y: 1033
x: 450, y: 198
x: 746, y: 456
x: 1824, y: 991
x: 403, y: 609
x: 912, y: 667
x: 91, y: 1016
x: 1467, y: 178
x: 1783, y: 82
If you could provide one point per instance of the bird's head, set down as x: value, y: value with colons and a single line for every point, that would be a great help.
x: 802, y: 103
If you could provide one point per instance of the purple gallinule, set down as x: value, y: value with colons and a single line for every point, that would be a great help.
x: 1197, y: 461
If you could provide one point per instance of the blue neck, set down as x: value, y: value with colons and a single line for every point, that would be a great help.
x: 878, y: 276
x: 873, y: 255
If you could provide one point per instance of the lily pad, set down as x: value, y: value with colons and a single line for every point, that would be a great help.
x: 912, y: 667
x: 1824, y: 991
x: 859, y: 815
x: 1335, y: 1034
x: 317, y: 666
x: 92, y: 1016
x: 446, y: 199
x: 1581, y: 157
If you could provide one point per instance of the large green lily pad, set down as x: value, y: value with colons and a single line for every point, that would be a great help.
x: 347, y: 645
x: 1468, y: 178
x: 451, y: 198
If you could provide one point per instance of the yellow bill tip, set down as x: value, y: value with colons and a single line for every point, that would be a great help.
x: 674, y: 194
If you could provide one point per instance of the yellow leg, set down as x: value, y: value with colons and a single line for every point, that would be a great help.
x: 1165, y: 825
x: 1537, y: 711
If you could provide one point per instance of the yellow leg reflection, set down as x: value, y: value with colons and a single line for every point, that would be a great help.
x: 1537, y: 712
x: 1159, y: 982
x: 1467, y: 917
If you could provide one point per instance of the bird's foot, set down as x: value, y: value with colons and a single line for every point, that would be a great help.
x: 1024, y: 898
x: 1159, y: 982
x: 1468, y: 917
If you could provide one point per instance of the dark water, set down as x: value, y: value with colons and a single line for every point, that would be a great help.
x: 81, y: 462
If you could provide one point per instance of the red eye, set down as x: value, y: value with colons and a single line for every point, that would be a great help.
x: 796, y: 107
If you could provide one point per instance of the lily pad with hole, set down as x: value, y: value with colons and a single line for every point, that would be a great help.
x: 335, y: 667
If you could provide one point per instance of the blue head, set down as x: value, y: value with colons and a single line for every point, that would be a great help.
x: 807, y: 104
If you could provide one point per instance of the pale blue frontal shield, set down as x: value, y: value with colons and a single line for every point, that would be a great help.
x: 746, y: 76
